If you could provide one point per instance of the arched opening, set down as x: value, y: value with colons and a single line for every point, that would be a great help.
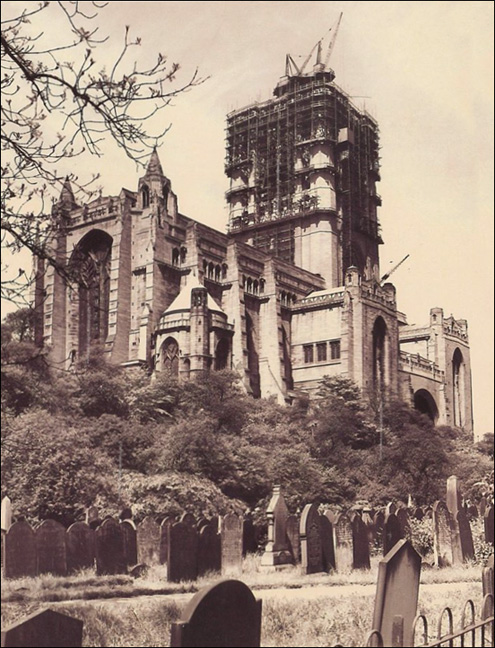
x: 458, y: 381
x: 253, y: 359
x: 169, y: 355
x: 379, y: 354
x: 145, y: 196
x: 222, y: 354
x: 211, y: 270
x: 218, y: 272
x: 183, y: 254
x: 175, y: 256
x: 425, y: 403
x: 90, y: 263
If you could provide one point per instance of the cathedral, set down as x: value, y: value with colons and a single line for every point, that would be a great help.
x: 291, y: 293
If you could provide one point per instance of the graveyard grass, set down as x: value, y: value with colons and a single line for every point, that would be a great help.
x: 88, y: 586
x: 321, y: 621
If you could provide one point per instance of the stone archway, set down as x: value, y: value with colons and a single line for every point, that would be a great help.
x: 425, y: 403
x: 222, y: 353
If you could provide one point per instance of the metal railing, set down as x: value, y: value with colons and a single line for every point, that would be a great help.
x: 471, y: 632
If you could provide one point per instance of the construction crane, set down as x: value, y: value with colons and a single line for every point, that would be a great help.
x: 332, y: 41
x: 387, y: 274
x: 306, y: 60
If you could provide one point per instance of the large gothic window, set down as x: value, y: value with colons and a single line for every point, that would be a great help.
x: 458, y: 384
x: 90, y: 263
x: 170, y: 357
x: 379, y: 354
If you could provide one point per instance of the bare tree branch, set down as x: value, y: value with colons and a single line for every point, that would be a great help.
x: 56, y: 105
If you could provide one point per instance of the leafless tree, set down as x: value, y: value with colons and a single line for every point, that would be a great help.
x: 57, y: 103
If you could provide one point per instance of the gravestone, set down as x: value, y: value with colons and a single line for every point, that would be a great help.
x: 454, y: 496
x: 361, y: 547
x: 466, y: 536
x: 202, y: 522
x: 148, y: 541
x: 45, y: 628
x: 311, y: 545
x: 188, y: 518
x: 488, y: 522
x: 342, y: 542
x: 397, y: 592
x: 125, y: 514
x: 129, y: 535
x: 442, y: 535
x: 379, y: 526
x: 182, y: 561
x: 93, y: 517
x: 165, y: 525
x: 419, y: 513
x: 50, y: 548
x: 294, y: 538
x: 110, y: 557
x: 249, y: 544
x: 6, y: 514
x: 20, y: 551
x: 483, y: 505
x: 331, y: 515
x: 487, y: 577
x: 231, y: 538
x: 222, y: 615
x: 390, y: 509
x: 277, y: 550
x: 391, y: 533
x: 80, y: 546
x: 326, y: 528
x: 472, y: 511
x: 403, y: 520
x: 370, y: 526
x: 209, y: 549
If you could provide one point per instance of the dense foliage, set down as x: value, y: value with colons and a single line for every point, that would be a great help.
x: 115, y: 437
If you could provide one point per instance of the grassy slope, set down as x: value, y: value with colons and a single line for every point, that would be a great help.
x: 322, y: 619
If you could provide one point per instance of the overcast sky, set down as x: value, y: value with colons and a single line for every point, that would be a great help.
x: 423, y: 69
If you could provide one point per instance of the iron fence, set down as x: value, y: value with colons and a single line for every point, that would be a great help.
x: 472, y: 631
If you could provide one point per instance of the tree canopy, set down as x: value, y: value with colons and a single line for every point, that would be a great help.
x: 102, y: 433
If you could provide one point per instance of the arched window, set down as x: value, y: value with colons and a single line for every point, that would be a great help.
x: 224, y: 271
x: 253, y: 357
x: 222, y: 354
x: 175, y: 256
x: 379, y: 354
x: 90, y: 263
x: 218, y: 272
x: 262, y: 286
x: 458, y: 380
x: 211, y: 270
x: 145, y: 196
x: 183, y: 254
x: 169, y: 354
x: 256, y: 288
x: 249, y: 288
x: 425, y: 403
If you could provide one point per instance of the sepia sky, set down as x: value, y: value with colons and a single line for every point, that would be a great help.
x: 423, y: 69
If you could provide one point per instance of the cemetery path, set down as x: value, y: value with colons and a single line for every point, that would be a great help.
x: 307, y: 593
